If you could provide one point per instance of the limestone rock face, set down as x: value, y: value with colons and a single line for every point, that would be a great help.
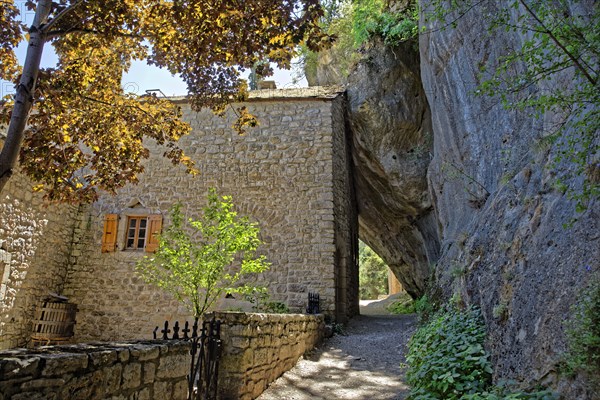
x: 392, y: 142
x: 504, y: 246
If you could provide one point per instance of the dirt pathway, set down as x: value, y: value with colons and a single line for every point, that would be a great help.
x: 364, y: 364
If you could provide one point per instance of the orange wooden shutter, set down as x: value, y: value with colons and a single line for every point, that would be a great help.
x: 109, y: 236
x: 154, y: 228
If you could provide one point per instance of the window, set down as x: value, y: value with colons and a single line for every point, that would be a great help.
x: 136, y: 233
x: 141, y: 232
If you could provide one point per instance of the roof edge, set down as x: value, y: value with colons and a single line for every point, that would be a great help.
x: 308, y: 93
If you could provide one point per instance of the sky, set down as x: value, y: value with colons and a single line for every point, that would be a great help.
x: 142, y: 77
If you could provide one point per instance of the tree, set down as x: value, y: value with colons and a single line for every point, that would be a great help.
x: 201, y: 260
x: 373, y: 273
x: 86, y: 133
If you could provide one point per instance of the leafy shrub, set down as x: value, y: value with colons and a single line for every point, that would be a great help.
x: 425, y: 308
x: 369, y: 18
x: 353, y: 23
x: 404, y: 305
x: 446, y: 357
x: 261, y: 302
x: 446, y: 360
x: 504, y: 393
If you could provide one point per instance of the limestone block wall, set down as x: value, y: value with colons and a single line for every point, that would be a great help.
x: 35, y: 242
x: 119, y: 371
x: 345, y: 216
x: 259, y: 348
x: 280, y: 174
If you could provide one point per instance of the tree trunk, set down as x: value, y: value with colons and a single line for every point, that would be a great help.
x: 25, y: 91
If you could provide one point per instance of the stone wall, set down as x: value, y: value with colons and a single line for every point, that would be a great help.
x: 35, y: 242
x: 280, y: 174
x: 117, y: 371
x: 258, y: 348
x: 345, y: 217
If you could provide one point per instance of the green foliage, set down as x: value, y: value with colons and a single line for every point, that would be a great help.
x: 353, y: 23
x: 446, y: 357
x: 583, y: 332
x: 425, y: 307
x: 558, y: 41
x: 503, y: 392
x: 404, y: 305
x: 369, y: 18
x: 373, y: 273
x: 338, y: 329
x: 261, y: 300
x: 447, y: 360
x: 500, y: 311
x: 198, y: 261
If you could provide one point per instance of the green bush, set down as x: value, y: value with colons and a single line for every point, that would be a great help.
x: 261, y: 302
x: 504, y: 393
x: 369, y: 19
x: 353, y: 23
x: 404, y: 305
x: 446, y: 360
x: 446, y: 357
x: 425, y: 308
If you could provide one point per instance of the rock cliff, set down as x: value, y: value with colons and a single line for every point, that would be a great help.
x: 448, y: 178
x: 392, y: 146
x: 501, y: 220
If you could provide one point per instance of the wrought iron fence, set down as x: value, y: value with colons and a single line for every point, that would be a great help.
x: 314, y: 303
x: 205, y: 351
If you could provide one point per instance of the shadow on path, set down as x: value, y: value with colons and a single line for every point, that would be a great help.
x: 363, y: 364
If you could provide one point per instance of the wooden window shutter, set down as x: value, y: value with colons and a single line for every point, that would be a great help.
x: 109, y: 236
x: 154, y: 229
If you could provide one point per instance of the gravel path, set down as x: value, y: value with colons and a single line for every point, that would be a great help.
x: 364, y: 364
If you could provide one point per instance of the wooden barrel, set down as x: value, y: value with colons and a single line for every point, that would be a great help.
x: 53, y: 323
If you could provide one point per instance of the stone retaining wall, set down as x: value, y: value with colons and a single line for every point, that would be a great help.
x: 259, y: 348
x: 117, y: 371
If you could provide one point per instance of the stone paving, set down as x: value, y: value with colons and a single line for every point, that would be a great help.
x: 363, y: 364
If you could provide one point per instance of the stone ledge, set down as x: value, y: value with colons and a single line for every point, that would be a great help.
x: 140, y: 369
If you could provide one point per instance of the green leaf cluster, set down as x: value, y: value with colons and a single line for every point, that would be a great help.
x: 446, y: 357
x: 373, y: 273
x: 426, y: 308
x: 199, y: 261
x: 404, y: 305
x: 370, y: 18
x: 447, y: 360
x: 353, y: 23
x: 261, y: 302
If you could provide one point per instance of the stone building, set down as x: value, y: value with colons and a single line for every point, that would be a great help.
x: 291, y: 174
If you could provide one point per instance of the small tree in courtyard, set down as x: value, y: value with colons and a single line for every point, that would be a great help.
x: 198, y: 261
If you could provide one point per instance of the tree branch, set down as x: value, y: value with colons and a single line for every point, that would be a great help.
x: 58, y: 33
x: 559, y: 44
x: 61, y: 14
